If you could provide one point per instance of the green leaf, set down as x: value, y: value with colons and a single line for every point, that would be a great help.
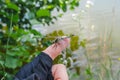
x: 7, y: 1
x: 50, y: 6
x: 35, y: 32
x: 1, y: 35
x: 0, y: 26
x: 43, y: 13
x: 64, y: 7
x: 74, y: 43
x: 60, y: 32
x: 15, y: 18
x: 18, y: 51
x: 72, y: 8
x: 11, y: 62
x: 1, y: 63
x: 88, y: 71
x: 13, y: 6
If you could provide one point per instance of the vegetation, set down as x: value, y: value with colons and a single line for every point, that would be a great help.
x: 22, y: 11
x: 19, y: 43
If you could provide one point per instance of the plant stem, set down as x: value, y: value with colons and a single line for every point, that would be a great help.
x: 8, y: 39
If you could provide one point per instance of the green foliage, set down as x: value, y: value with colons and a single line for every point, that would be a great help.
x: 28, y: 44
x: 21, y: 48
x: 74, y: 43
x: 89, y: 73
x: 25, y: 10
x: 19, y: 43
x: 12, y: 6
x: 43, y: 13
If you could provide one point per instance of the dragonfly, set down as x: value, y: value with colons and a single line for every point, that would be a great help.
x: 62, y: 38
x: 56, y: 41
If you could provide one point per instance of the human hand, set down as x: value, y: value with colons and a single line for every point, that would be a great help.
x: 55, y: 49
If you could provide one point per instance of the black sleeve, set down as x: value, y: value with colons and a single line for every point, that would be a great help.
x: 38, y: 69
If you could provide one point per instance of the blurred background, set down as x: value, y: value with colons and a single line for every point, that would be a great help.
x: 97, y: 21
x: 94, y: 51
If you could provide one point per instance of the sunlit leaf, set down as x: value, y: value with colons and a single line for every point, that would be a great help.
x: 63, y: 6
x: 50, y: 6
x: 74, y: 43
x: 43, y: 13
x: 83, y: 43
x: 13, y: 6
x: 60, y: 32
x: 7, y: 1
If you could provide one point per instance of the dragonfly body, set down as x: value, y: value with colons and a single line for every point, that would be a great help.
x: 61, y: 38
